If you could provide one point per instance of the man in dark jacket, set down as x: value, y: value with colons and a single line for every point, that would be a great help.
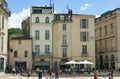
x: 40, y: 74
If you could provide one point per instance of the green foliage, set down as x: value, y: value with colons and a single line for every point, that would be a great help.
x: 14, y: 31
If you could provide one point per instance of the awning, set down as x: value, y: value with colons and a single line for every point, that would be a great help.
x: 41, y: 63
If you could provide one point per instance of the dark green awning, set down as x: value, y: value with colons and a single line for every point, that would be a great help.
x: 41, y: 63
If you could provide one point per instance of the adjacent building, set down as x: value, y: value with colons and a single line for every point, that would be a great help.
x: 62, y: 39
x: 20, y: 52
x: 73, y: 39
x: 26, y: 26
x: 4, y: 14
x: 83, y: 39
x: 41, y: 32
x: 107, y: 39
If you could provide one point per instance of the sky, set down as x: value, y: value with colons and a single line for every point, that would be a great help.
x: 20, y: 9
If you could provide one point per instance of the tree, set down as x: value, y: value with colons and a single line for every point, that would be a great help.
x: 14, y: 31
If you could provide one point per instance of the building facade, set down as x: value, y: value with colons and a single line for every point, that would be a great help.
x: 4, y: 14
x: 41, y: 32
x: 20, y: 52
x: 62, y: 39
x: 107, y: 40
x: 83, y: 39
x: 73, y: 39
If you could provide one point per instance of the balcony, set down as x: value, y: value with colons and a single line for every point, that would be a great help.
x: 42, y: 55
x: 64, y: 45
x: 84, y: 54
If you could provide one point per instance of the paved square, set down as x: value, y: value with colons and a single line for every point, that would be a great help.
x: 10, y: 76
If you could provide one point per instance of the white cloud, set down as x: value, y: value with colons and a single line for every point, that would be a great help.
x: 97, y: 16
x: 16, y: 18
x: 85, y: 6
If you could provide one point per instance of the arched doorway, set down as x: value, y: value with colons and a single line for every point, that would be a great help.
x: 106, y: 62
x: 101, y: 62
x: 113, y: 61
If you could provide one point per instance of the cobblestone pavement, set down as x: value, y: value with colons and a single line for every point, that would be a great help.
x: 10, y: 76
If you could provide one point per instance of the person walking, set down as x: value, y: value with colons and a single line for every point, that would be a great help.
x: 95, y: 75
x: 28, y: 72
x: 56, y: 75
x: 13, y: 70
x: 110, y: 76
x: 40, y: 74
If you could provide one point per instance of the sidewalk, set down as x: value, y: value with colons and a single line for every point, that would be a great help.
x: 10, y: 76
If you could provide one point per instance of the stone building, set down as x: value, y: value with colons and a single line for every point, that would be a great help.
x: 107, y: 33
x: 41, y: 32
x: 83, y: 39
x: 20, y: 52
x: 26, y: 26
x: 4, y: 14
x: 62, y: 40
x: 73, y: 39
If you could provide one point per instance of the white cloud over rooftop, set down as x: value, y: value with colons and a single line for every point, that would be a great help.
x: 16, y: 18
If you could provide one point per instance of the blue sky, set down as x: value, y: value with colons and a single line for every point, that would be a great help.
x: 20, y: 8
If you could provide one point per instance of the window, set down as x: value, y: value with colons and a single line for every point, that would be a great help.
x: 95, y: 33
x: 100, y: 46
x: 112, y: 28
x: 37, y: 20
x: 83, y: 23
x: 37, y: 35
x: 11, y: 50
x: 64, y: 40
x: 57, y: 17
x: 106, y: 58
x: 112, y: 58
x: 84, y: 49
x: 47, y: 36
x: 64, y: 50
x: 15, y: 54
x: 111, y: 44
x: 65, y: 18
x: 96, y: 47
x: 1, y: 64
x: 47, y: 49
x: 106, y: 43
x: 1, y: 43
x: 84, y: 36
x: 37, y: 11
x: 47, y: 20
x: 26, y: 54
x: 2, y: 21
x: 19, y: 41
x: 100, y: 32
x: 105, y: 30
x: 64, y: 27
x: 37, y: 49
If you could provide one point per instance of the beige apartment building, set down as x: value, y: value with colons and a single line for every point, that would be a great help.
x: 83, y: 39
x: 73, y: 39
x: 107, y: 41
x: 4, y: 14
x: 20, y: 52
x: 62, y: 39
